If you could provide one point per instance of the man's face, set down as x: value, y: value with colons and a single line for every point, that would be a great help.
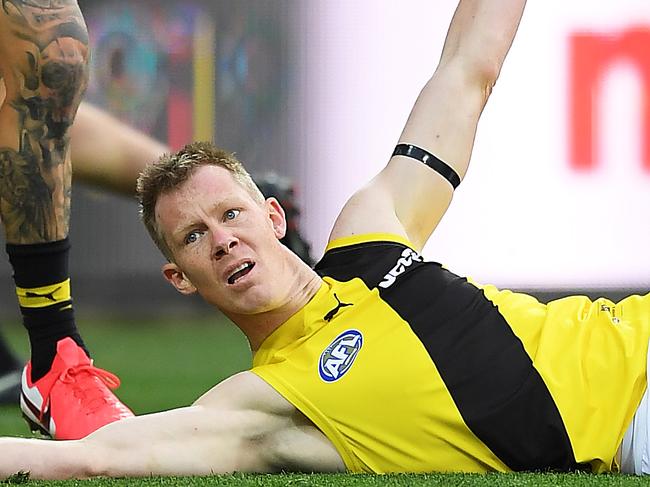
x: 224, y: 243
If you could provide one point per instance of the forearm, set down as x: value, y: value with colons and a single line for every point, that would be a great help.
x: 43, y: 459
x: 107, y: 152
x: 187, y: 441
x: 480, y: 35
x: 445, y: 117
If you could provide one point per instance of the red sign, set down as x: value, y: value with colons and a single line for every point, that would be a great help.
x: 591, y: 55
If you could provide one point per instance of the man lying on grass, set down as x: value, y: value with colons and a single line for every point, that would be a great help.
x: 375, y: 361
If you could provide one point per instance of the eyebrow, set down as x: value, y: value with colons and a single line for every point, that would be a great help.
x: 194, y: 223
x: 184, y: 230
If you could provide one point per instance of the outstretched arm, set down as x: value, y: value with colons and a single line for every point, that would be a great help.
x: 242, y: 425
x: 195, y: 440
x: 407, y: 197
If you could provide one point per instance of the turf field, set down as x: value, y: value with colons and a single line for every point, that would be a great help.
x: 165, y: 364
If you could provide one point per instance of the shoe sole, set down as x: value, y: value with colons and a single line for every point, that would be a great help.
x: 28, y: 411
x: 36, y: 428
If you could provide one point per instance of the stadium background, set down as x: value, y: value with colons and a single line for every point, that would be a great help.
x: 318, y: 91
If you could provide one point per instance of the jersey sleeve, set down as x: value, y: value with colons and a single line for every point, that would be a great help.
x: 375, y: 258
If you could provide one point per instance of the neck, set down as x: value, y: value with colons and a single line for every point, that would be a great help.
x: 304, y: 286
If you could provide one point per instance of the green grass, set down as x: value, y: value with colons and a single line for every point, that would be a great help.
x: 169, y: 363
x: 162, y: 365
x: 343, y: 480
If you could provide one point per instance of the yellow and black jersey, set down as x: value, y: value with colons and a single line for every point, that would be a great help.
x: 408, y: 367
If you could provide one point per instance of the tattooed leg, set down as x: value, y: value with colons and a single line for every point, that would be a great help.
x: 43, y: 61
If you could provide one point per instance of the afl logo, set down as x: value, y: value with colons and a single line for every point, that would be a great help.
x: 339, y: 356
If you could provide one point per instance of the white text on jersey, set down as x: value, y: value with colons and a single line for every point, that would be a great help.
x: 408, y: 257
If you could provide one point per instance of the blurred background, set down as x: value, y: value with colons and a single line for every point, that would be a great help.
x: 180, y: 71
x: 317, y: 91
x: 556, y: 198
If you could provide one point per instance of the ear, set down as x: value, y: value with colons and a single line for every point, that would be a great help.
x: 277, y: 217
x: 177, y: 278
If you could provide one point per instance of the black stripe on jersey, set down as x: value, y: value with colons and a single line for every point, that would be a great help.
x: 497, y: 390
x: 369, y: 261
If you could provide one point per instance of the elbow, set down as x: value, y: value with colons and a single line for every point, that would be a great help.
x: 487, y: 73
x: 482, y: 73
x: 478, y: 65
x: 470, y: 75
x: 487, y: 78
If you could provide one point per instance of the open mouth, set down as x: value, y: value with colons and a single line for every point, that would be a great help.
x: 240, y: 272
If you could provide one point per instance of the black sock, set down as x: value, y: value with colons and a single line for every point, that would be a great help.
x: 43, y: 289
x: 8, y: 360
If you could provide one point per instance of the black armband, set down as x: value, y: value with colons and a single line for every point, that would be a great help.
x: 414, y: 152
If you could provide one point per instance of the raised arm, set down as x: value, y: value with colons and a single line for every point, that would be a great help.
x: 408, y: 197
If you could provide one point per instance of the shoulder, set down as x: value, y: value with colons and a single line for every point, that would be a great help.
x: 371, y: 257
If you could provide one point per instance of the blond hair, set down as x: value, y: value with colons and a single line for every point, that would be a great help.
x: 172, y: 170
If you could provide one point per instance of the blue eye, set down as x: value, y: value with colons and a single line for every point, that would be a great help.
x: 231, y: 214
x: 192, y: 237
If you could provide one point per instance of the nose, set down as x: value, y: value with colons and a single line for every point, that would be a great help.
x: 223, y: 243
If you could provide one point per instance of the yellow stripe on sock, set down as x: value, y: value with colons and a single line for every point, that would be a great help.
x: 40, y: 297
